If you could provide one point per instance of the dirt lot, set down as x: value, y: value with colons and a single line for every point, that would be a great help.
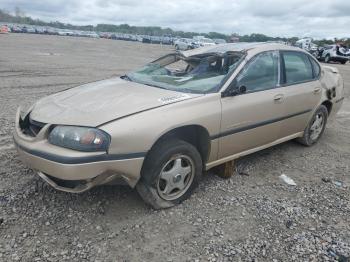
x: 251, y: 217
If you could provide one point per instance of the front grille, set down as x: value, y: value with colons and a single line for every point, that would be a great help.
x: 35, y: 126
x: 31, y: 127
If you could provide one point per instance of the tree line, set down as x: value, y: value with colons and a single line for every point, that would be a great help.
x: 21, y: 18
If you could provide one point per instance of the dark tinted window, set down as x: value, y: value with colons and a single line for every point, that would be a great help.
x: 297, y: 67
x: 260, y: 73
x: 316, y: 67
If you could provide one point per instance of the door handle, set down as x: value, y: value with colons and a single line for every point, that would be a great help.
x: 278, y: 98
x: 317, y: 90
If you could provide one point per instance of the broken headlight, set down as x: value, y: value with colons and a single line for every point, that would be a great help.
x: 85, y: 139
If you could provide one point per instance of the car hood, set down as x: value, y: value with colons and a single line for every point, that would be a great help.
x: 99, y: 102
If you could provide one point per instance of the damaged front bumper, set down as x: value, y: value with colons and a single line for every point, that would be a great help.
x: 73, y: 171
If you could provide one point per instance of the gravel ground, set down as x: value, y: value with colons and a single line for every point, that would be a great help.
x: 252, y: 216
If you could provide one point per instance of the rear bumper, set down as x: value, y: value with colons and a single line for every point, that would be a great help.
x: 65, y: 164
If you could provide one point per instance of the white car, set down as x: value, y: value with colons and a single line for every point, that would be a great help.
x: 335, y: 53
x: 205, y: 42
x: 219, y: 41
x: 185, y: 44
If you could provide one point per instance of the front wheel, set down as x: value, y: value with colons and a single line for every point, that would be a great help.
x: 327, y: 59
x: 315, y: 128
x: 170, y: 174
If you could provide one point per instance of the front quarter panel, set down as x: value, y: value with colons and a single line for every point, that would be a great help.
x: 138, y: 133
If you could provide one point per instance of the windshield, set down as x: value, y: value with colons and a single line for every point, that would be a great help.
x: 195, y: 74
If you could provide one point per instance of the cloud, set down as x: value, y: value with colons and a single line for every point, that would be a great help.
x: 319, y: 19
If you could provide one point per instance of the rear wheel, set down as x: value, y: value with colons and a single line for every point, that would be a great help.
x: 343, y: 62
x: 315, y: 128
x: 170, y: 174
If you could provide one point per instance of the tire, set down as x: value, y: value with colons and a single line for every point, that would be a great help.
x: 162, y: 185
x: 343, y: 62
x: 327, y: 59
x: 313, y: 131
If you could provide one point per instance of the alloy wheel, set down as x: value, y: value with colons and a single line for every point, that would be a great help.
x: 175, y: 177
x: 316, y: 127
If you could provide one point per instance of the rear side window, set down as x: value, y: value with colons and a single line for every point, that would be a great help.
x: 298, y: 67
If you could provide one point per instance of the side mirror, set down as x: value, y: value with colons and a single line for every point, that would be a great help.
x: 233, y: 90
x: 229, y: 92
x: 242, y: 89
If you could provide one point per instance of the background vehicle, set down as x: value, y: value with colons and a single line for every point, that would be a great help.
x: 304, y: 43
x: 64, y: 32
x: 4, y: 29
x: 40, y: 30
x: 28, y: 29
x: 16, y: 29
x: 156, y: 40
x: 185, y: 44
x: 219, y: 41
x: 308, y: 45
x: 167, y: 40
x: 334, y: 53
x: 91, y: 34
x: 205, y: 42
x: 145, y: 39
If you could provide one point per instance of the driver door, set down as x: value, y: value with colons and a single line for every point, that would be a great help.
x: 251, y: 119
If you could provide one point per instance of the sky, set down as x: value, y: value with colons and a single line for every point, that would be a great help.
x: 302, y: 18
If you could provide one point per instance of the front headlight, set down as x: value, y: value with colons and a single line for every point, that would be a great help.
x: 85, y: 139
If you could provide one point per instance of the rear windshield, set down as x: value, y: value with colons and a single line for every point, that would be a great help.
x: 196, y: 74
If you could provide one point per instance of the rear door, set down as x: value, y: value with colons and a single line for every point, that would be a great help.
x: 251, y: 119
x: 301, y: 90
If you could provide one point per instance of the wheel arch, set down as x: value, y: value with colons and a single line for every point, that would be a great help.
x: 196, y: 135
x: 329, y: 105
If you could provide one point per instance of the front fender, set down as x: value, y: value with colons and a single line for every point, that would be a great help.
x: 139, y: 132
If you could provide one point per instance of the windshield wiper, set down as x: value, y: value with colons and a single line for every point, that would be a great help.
x: 125, y: 77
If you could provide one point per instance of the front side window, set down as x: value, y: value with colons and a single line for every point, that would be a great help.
x: 194, y: 74
x: 297, y: 67
x: 261, y: 72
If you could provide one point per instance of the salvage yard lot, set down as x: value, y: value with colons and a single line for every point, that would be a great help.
x: 252, y: 215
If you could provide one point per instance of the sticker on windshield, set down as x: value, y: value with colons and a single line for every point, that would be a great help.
x: 172, y: 99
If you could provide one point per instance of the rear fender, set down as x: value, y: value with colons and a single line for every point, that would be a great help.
x: 333, y: 84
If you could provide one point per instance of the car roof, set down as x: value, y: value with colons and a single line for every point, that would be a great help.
x: 237, y: 47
